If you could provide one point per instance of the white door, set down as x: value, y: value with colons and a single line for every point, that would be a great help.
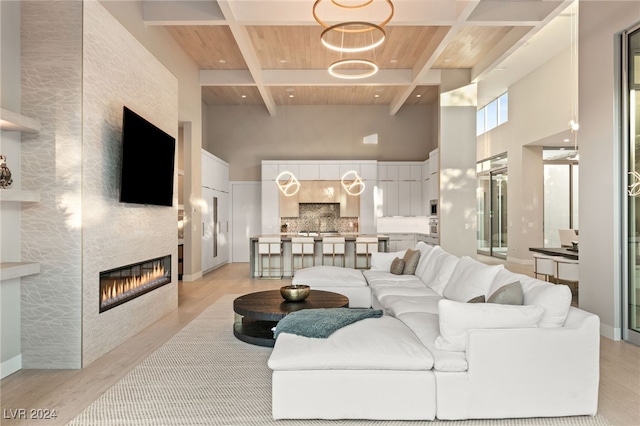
x: 245, y: 208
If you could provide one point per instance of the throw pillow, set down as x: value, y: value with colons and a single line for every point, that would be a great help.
x: 439, y: 268
x: 510, y: 294
x: 479, y: 299
x: 470, y: 279
x: 411, y: 259
x: 397, y: 266
x: 457, y: 318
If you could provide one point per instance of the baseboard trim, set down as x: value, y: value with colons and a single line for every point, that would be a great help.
x: 192, y: 277
x: 10, y: 366
x: 613, y: 333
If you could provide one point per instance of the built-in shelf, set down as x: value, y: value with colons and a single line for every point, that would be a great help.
x: 19, y: 195
x: 11, y: 270
x: 13, y: 121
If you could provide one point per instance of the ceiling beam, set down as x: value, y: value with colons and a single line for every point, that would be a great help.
x: 181, y: 12
x: 243, y: 40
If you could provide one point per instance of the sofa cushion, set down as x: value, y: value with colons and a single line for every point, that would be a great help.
x: 371, y: 344
x: 510, y: 294
x: 470, y: 279
x: 457, y: 318
x: 438, y: 270
x: 381, y: 261
x: 377, y: 279
x: 396, y: 305
x: 381, y: 293
x: 554, y: 298
x: 411, y: 258
x: 426, y: 327
x: 329, y: 276
x: 397, y: 266
x: 425, y: 251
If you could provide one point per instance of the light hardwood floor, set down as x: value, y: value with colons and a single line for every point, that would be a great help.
x: 69, y: 391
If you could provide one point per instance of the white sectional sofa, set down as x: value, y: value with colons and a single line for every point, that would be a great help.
x: 433, y: 355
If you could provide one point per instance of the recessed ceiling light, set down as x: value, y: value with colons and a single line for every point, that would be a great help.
x: 566, y: 140
x: 243, y: 96
x: 283, y: 61
x: 291, y: 96
x: 418, y: 95
x: 376, y: 96
x: 394, y: 61
x: 222, y: 61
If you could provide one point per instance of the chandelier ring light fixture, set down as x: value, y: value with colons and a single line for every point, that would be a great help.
x: 363, y: 4
x: 354, y: 185
x: 288, y: 183
x: 352, y: 6
x: 361, y: 28
x: 336, y: 71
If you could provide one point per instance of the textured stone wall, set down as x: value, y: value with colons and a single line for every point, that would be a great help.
x: 80, y: 67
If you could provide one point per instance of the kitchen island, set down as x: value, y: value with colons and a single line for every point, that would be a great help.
x: 350, y: 239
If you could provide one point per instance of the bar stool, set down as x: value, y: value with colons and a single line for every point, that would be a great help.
x: 333, y: 246
x: 268, y: 247
x: 544, y: 265
x: 364, y: 247
x: 301, y: 246
x: 568, y: 270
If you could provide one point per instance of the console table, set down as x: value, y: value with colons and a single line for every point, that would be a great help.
x: 257, y: 313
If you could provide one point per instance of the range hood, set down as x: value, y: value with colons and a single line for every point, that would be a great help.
x: 319, y: 191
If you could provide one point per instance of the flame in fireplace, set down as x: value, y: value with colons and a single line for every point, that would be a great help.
x: 114, y: 289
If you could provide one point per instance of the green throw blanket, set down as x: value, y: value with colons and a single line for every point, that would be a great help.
x: 320, y: 323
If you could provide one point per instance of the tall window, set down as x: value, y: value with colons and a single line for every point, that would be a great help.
x: 493, y: 114
x: 491, y: 196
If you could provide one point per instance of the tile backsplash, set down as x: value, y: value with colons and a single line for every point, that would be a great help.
x: 319, y: 217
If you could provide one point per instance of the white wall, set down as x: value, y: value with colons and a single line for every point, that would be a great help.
x: 539, y: 110
x: 245, y: 211
x: 599, y: 139
x: 158, y: 41
x: 245, y: 135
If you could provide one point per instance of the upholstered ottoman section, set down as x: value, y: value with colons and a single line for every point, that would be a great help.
x: 373, y: 369
x: 346, y: 281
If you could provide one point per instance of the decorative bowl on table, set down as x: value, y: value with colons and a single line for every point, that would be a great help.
x: 295, y: 293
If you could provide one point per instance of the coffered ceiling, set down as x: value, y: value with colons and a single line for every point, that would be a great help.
x: 268, y: 52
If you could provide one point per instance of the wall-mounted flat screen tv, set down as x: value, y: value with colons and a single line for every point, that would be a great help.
x: 148, y: 157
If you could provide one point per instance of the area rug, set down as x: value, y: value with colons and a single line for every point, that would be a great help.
x: 205, y: 376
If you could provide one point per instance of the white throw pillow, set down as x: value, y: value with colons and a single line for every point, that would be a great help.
x: 438, y: 270
x: 456, y: 318
x: 470, y: 279
x: 555, y: 299
x: 425, y: 252
x: 381, y: 261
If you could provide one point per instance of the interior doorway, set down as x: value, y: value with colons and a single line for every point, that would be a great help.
x: 492, y: 196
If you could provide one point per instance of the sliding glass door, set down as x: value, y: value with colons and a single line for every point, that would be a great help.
x: 492, y: 213
x: 631, y: 96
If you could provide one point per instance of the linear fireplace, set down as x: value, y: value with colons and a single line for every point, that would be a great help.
x: 120, y: 285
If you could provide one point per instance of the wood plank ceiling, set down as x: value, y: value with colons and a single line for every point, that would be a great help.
x: 268, y: 52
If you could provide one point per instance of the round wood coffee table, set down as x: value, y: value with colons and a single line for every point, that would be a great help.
x: 257, y: 313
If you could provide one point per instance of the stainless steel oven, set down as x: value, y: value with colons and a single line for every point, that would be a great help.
x: 433, y: 226
x: 434, y: 208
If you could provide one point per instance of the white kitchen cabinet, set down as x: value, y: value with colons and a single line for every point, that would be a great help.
x: 214, y: 172
x: 404, y: 198
x: 416, y: 173
x: 434, y: 161
x: 330, y: 172
x: 434, y: 187
x: 404, y: 172
x: 309, y: 172
x: 416, y: 198
x: 391, y: 199
x: 398, y: 242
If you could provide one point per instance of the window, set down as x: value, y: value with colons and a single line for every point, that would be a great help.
x: 493, y: 114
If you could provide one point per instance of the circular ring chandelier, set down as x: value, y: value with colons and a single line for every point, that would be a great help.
x: 287, y: 183
x: 353, y: 186
x: 334, y: 69
x: 352, y: 6
x: 357, y: 28
x: 359, y: 6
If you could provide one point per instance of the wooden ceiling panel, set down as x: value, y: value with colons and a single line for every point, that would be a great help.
x: 211, y: 47
x: 423, y: 95
x: 469, y: 46
x: 334, y: 95
x: 299, y: 47
x: 231, y: 95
